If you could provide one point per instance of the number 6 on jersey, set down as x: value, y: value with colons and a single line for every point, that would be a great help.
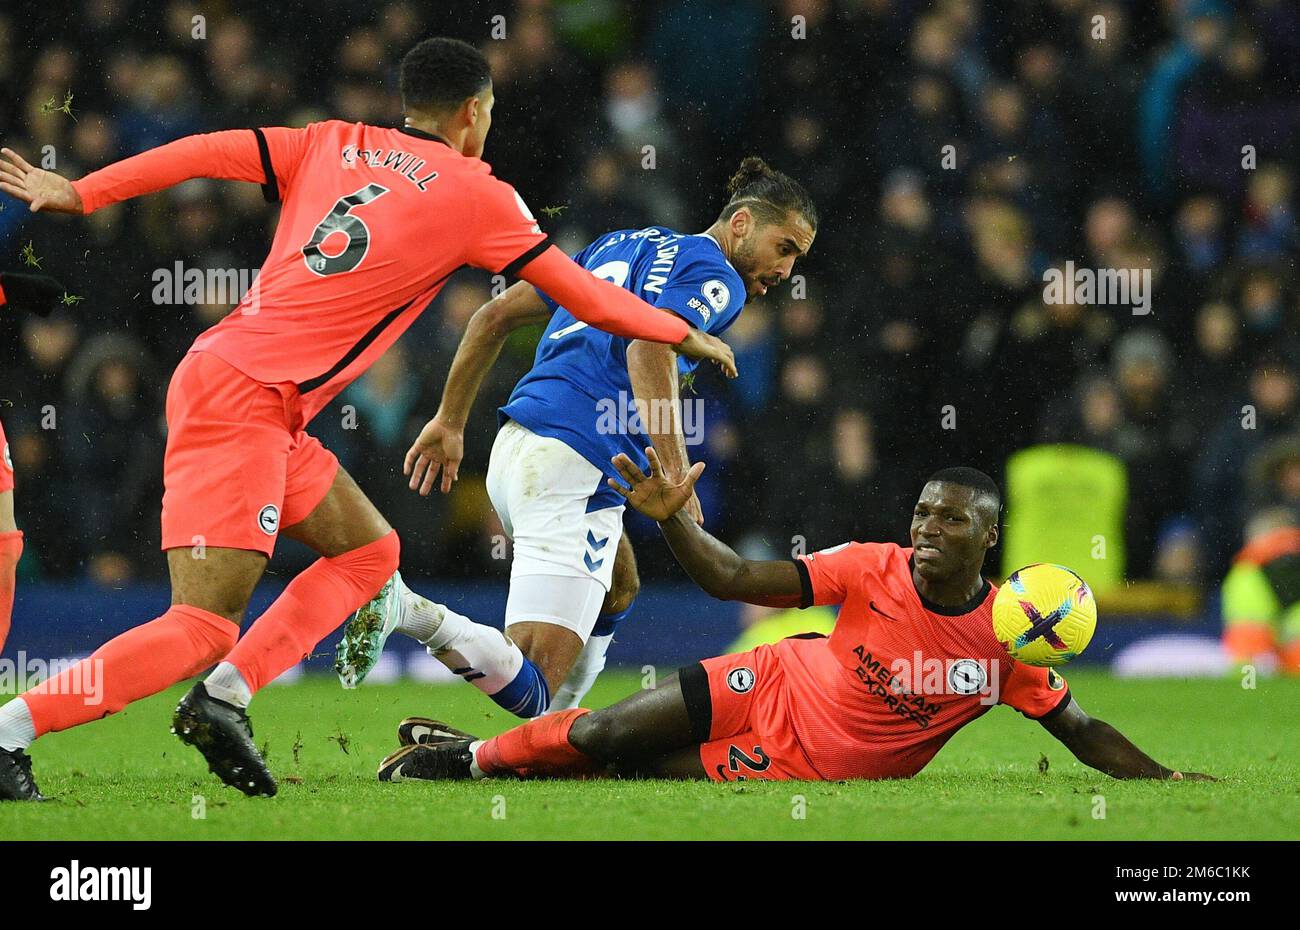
x: 340, y: 219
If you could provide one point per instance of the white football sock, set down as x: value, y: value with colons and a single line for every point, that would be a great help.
x: 16, y: 728
x: 589, y: 664
x: 475, y: 772
x: 226, y: 684
x: 480, y: 654
x: 423, y: 619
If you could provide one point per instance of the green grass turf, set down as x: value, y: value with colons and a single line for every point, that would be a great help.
x: 128, y: 778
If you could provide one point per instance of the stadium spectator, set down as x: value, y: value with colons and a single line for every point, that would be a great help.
x: 1270, y: 409
x: 110, y: 438
x: 1215, y: 369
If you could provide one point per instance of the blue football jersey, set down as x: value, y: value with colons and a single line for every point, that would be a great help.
x: 578, y: 390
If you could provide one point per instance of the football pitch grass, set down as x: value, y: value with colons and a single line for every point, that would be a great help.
x: 1003, y: 777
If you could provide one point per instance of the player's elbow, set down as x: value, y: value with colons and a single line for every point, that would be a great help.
x: 712, y: 582
x: 727, y: 587
x: 519, y: 305
x: 492, y: 323
x: 736, y: 582
x: 491, y: 320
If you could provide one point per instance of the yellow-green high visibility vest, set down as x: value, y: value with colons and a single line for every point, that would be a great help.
x: 1066, y: 504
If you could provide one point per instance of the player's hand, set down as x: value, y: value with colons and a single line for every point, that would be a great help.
x: 702, y: 346
x: 1191, y: 776
x: 655, y: 496
x: 36, y: 187
x: 31, y: 293
x: 439, y: 446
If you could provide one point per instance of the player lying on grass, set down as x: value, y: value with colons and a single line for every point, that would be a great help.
x: 864, y: 703
x: 375, y: 219
x: 573, y: 576
x: 33, y: 293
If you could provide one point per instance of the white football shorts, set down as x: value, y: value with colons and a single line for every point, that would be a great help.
x: 541, y: 489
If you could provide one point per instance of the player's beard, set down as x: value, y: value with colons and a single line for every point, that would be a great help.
x: 742, y: 258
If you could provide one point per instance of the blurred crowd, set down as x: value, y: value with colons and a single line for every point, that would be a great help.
x: 957, y: 151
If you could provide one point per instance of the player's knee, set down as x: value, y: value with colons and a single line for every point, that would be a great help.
x: 211, y: 635
x: 219, y: 642
x: 602, y: 735
x: 389, y: 555
x: 622, y: 591
x: 229, y: 605
x: 550, y: 647
x: 373, y: 564
x: 553, y: 663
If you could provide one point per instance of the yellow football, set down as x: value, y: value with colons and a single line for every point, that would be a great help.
x: 1044, y: 615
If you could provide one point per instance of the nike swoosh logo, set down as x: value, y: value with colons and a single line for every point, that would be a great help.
x: 423, y: 734
x: 873, y: 606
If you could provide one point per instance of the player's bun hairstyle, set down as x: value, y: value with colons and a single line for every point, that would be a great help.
x: 971, y: 478
x: 440, y: 73
x: 767, y: 193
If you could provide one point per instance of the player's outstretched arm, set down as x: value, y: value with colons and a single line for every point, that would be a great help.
x: 441, y: 444
x: 652, y: 371
x: 1098, y: 744
x: 711, y: 563
x: 607, y: 306
x: 232, y: 155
